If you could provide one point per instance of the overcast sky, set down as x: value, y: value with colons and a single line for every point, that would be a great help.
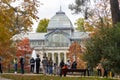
x: 50, y: 7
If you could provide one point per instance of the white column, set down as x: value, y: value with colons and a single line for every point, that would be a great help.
x: 53, y: 57
x: 59, y: 59
x: 65, y: 57
x: 41, y: 55
x: 46, y: 54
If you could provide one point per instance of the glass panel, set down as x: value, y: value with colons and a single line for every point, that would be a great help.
x: 58, y: 40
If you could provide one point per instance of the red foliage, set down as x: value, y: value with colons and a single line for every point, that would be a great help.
x: 23, y: 47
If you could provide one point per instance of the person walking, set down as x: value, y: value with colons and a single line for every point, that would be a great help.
x: 32, y: 64
x: 22, y: 62
x: 15, y: 65
x: 1, y: 66
x: 37, y: 64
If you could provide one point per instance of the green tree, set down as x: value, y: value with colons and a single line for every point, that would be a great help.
x: 103, y: 47
x: 42, y: 26
x: 80, y: 24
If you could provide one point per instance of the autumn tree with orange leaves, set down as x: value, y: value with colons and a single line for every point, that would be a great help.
x: 75, y: 54
x: 24, y: 49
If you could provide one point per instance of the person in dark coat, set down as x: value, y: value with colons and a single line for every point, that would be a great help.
x: 32, y: 64
x: 1, y: 66
x: 61, y: 66
x: 37, y: 64
x: 105, y: 72
x: 74, y: 65
x: 22, y: 61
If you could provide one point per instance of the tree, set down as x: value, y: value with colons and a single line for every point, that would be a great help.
x: 80, y: 5
x: 75, y: 53
x: 103, y: 47
x: 115, y: 11
x: 18, y: 18
x: 101, y: 15
x: 80, y: 24
x: 7, y: 51
x: 83, y: 25
x: 42, y: 26
x: 14, y: 19
x: 24, y: 49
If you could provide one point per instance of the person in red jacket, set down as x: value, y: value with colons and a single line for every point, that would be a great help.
x: 64, y: 70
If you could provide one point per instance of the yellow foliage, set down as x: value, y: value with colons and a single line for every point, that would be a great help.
x: 14, y: 20
x: 75, y: 54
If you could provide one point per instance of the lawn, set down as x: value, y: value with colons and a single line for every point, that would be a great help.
x: 43, y: 77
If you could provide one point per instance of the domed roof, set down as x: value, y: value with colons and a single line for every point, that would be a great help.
x: 60, y: 21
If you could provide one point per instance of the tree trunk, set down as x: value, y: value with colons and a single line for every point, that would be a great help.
x: 115, y: 11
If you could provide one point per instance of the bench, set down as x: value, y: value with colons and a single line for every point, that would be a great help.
x: 83, y: 71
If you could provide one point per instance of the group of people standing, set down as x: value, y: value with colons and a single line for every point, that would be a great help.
x: 22, y: 63
x: 48, y: 67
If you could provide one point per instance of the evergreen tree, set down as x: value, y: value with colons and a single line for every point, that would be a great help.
x: 103, y: 47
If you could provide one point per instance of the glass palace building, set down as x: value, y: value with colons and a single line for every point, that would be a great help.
x: 56, y: 41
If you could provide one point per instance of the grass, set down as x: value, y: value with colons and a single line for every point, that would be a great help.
x: 43, y: 77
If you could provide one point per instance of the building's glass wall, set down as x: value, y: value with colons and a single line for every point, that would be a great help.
x: 57, y: 40
x: 36, y: 43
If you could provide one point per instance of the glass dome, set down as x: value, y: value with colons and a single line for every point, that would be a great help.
x: 60, y: 21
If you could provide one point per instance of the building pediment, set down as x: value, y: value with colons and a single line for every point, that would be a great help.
x: 57, y: 31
